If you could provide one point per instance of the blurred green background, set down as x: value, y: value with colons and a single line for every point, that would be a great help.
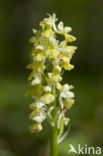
x: 17, y: 18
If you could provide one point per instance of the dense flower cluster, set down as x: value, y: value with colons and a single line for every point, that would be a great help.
x: 50, y: 57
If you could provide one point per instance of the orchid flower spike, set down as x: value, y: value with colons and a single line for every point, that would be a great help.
x: 50, y: 57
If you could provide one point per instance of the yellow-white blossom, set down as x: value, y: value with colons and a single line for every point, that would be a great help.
x: 66, y: 121
x: 38, y: 115
x: 47, y: 98
x: 36, y: 81
x: 49, y: 58
x: 36, y: 127
x: 47, y: 89
x: 37, y: 104
x: 66, y: 93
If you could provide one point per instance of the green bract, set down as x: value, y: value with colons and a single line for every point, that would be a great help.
x: 49, y: 58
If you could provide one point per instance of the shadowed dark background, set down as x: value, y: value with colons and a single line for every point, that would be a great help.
x: 17, y: 18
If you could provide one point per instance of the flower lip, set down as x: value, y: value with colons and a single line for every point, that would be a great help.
x: 36, y: 127
x: 37, y: 104
x: 47, y: 89
x: 47, y: 98
x: 39, y: 47
x: 36, y: 81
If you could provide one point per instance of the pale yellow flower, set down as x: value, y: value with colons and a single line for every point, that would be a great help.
x: 69, y: 103
x: 39, y: 56
x: 54, y: 77
x: 66, y: 121
x: 37, y: 104
x: 37, y: 115
x: 47, y: 98
x: 36, y: 127
x: 66, y: 65
x: 66, y: 94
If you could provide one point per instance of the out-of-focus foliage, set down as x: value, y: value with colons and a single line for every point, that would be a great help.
x: 17, y: 18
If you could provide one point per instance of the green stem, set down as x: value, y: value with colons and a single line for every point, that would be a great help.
x: 54, y: 144
x: 54, y: 130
